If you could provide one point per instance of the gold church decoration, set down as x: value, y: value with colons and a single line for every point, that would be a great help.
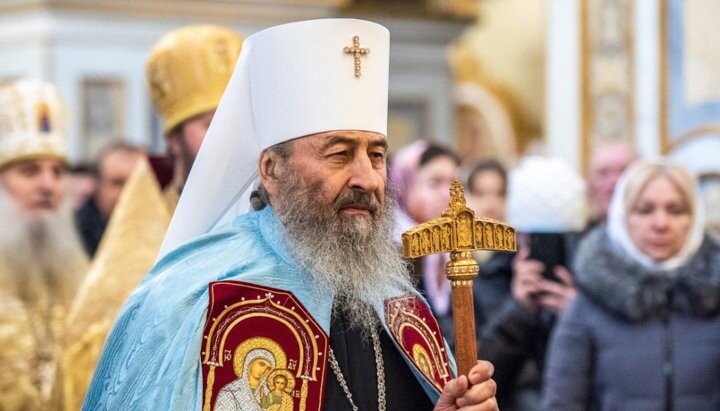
x: 459, y: 232
x: 356, y: 52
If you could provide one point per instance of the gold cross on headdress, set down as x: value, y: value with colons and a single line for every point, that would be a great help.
x: 357, y: 52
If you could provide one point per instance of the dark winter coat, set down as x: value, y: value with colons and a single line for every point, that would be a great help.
x: 635, y: 338
x: 490, y: 290
x: 512, y: 338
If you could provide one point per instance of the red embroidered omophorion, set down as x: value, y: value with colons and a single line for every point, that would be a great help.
x: 261, y: 345
x: 417, y: 332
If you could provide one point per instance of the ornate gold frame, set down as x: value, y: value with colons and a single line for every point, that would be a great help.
x: 586, y: 114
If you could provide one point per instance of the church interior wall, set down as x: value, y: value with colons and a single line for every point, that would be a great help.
x: 80, y: 44
x: 21, y: 61
x: 420, y: 81
x: 508, y: 46
x: 527, y: 53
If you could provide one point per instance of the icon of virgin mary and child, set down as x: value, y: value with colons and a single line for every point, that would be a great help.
x: 263, y: 383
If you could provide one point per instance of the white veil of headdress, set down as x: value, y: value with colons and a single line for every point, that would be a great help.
x: 290, y: 81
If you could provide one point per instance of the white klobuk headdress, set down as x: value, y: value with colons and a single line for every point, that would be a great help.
x: 32, y: 121
x: 290, y: 81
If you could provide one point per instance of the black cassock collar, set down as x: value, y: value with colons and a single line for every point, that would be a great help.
x: 357, y: 362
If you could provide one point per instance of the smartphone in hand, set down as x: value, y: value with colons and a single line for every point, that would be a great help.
x: 550, y: 249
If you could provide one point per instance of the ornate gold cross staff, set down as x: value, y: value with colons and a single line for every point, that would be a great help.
x: 459, y: 232
x: 356, y: 52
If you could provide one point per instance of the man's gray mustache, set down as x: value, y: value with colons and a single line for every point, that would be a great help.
x: 356, y: 197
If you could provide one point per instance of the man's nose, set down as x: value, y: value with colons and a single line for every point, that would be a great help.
x: 47, y: 181
x: 363, y: 175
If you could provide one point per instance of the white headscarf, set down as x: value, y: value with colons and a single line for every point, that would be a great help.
x: 238, y: 393
x: 618, y: 228
x: 290, y: 81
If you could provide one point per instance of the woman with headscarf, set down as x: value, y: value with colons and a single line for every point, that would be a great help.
x: 421, y: 174
x: 644, y: 332
x: 249, y: 391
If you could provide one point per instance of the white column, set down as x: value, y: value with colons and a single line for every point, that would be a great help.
x: 647, y: 77
x: 563, y: 104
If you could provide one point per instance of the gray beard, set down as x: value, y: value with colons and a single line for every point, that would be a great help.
x: 41, y: 256
x: 354, y: 257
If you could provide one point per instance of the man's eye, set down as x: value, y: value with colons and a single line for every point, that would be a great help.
x: 338, y: 154
x: 28, y: 171
x: 58, y: 172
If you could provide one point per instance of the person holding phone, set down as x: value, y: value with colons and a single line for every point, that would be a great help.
x: 644, y: 332
x: 546, y: 203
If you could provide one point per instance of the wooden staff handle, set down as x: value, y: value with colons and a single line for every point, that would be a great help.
x: 464, y: 321
x: 461, y: 270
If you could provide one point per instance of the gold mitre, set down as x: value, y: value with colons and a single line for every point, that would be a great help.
x: 31, y: 121
x: 188, y: 70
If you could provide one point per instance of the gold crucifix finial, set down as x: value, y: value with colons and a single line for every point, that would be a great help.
x: 459, y: 232
x: 356, y: 52
x: 457, y: 197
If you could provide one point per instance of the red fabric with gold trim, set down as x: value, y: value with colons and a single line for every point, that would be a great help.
x: 417, y: 332
x: 261, y: 350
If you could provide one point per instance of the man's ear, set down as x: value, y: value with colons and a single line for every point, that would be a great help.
x: 270, y: 169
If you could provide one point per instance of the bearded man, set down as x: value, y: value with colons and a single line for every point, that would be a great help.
x: 187, y: 72
x: 41, y: 257
x: 309, y: 285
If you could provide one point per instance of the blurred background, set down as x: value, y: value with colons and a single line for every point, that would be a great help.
x: 538, y: 106
x: 496, y: 78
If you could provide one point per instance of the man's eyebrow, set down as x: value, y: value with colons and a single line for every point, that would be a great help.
x: 335, y: 140
x: 339, y: 139
x: 381, y: 142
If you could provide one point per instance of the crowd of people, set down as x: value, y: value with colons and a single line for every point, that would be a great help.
x: 279, y: 285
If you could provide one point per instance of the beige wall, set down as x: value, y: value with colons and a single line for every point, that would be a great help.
x: 508, y: 43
